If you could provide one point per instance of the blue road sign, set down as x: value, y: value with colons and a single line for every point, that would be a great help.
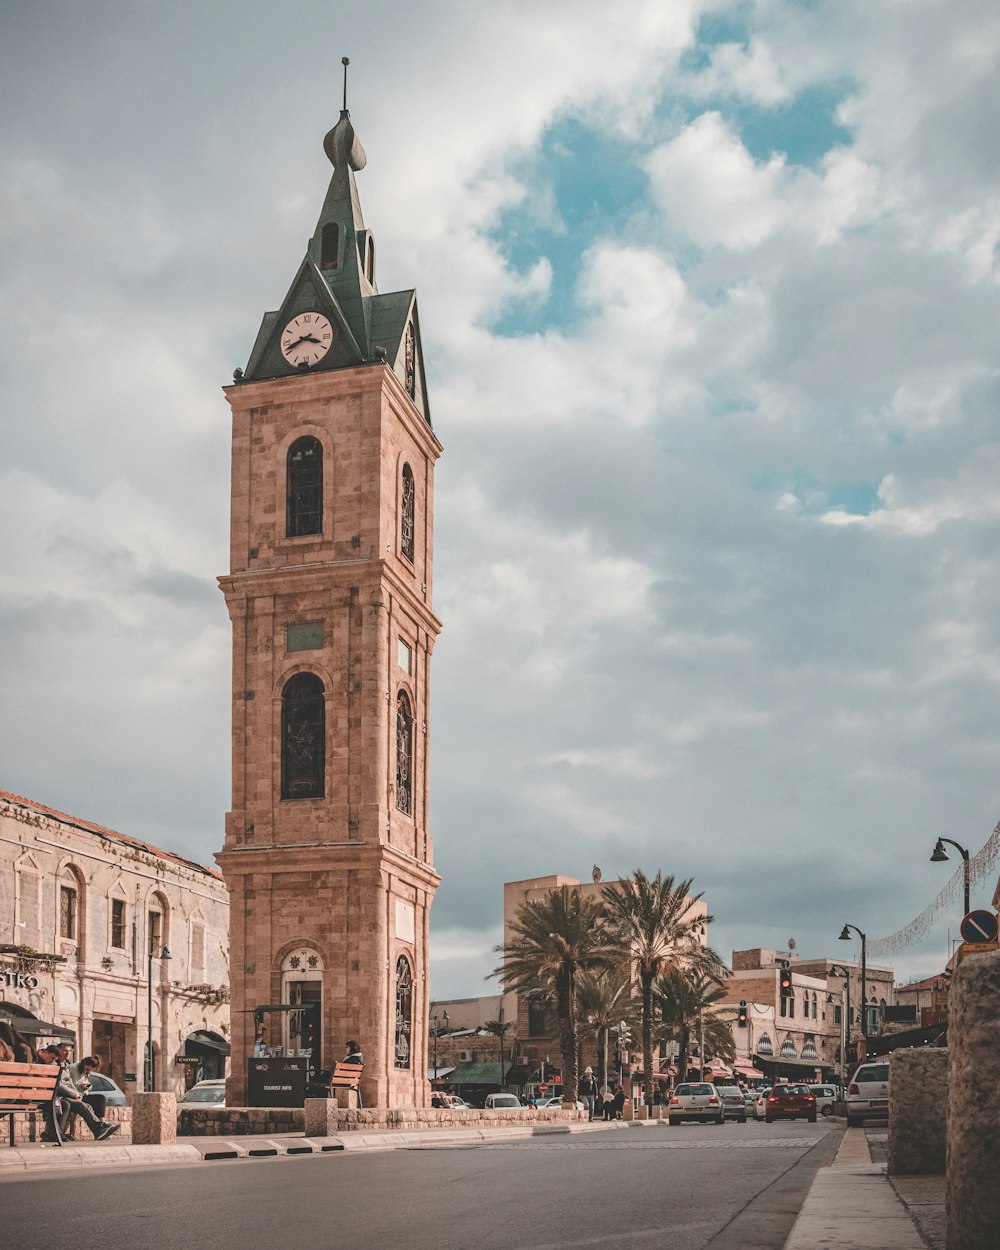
x: 979, y: 926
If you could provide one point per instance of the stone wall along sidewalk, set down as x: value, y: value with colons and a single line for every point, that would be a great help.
x: 918, y: 1083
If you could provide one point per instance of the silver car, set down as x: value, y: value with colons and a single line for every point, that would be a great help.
x: 734, y: 1103
x: 696, y: 1101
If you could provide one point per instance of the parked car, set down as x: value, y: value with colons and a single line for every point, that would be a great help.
x: 868, y: 1094
x: 106, y: 1087
x: 695, y: 1101
x: 826, y: 1098
x: 205, y: 1093
x: 790, y: 1102
x: 458, y: 1102
x: 556, y: 1100
x: 734, y: 1104
x: 494, y: 1102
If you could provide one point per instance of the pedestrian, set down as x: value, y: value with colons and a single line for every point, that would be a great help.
x: 80, y: 1074
x: 354, y: 1055
x: 618, y: 1102
x: 608, y: 1104
x: 588, y: 1091
x: 70, y: 1101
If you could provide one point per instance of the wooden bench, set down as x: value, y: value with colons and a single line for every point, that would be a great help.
x: 23, y: 1086
x: 347, y: 1076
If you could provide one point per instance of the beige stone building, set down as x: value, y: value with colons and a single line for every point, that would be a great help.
x: 81, y: 909
x: 327, y: 852
x: 805, y: 1027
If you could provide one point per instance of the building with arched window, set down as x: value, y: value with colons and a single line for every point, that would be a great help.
x: 89, y: 920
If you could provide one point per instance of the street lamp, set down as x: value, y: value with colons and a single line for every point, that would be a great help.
x: 150, y: 1075
x: 846, y: 937
x: 845, y: 1017
x: 939, y: 855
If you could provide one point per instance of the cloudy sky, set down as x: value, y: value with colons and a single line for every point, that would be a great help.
x: 709, y: 295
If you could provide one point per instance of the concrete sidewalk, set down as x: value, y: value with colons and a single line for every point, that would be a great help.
x: 852, y: 1205
x: 45, y: 1157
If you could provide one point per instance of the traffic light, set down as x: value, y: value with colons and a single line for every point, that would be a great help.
x: 741, y: 1014
x: 785, y: 983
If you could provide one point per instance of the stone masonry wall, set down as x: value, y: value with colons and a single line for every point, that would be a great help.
x: 917, y: 1111
x: 241, y: 1121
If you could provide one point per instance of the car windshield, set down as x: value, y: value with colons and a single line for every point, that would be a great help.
x: 874, y: 1072
x: 100, y: 1082
x: 211, y: 1093
x: 695, y: 1089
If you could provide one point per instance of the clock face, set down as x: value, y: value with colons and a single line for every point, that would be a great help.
x: 306, y: 339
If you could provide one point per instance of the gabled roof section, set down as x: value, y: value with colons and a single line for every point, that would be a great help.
x: 122, y: 839
x: 337, y: 278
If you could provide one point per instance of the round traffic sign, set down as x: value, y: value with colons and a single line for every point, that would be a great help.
x: 979, y: 926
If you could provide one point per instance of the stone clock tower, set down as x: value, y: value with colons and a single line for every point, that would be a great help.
x: 327, y: 853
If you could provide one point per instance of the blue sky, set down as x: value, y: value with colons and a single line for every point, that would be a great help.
x: 709, y: 301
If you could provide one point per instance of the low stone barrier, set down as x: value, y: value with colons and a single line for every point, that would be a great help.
x: 918, y: 1080
x: 154, y: 1119
x: 321, y: 1117
x: 29, y: 1126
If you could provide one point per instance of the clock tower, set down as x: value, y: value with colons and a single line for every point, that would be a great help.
x: 327, y: 853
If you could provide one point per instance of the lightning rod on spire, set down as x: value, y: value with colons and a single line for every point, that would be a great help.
x: 345, y: 61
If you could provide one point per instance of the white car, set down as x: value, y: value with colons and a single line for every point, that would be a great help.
x: 826, y: 1098
x: 757, y: 1102
x: 505, y: 1102
x: 868, y: 1093
x: 205, y: 1094
x: 696, y: 1100
x: 556, y: 1101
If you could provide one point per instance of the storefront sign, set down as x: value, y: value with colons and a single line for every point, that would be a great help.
x: 18, y: 980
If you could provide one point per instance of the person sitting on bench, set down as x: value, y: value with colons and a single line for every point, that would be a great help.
x: 70, y: 1100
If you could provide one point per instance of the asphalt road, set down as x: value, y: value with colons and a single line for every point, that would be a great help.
x: 694, y: 1187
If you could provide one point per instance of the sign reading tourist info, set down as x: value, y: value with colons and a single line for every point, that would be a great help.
x: 277, y: 1082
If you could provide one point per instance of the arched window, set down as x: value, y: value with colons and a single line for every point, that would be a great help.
x: 404, y: 1011
x: 303, y: 738
x: 69, y: 905
x: 304, y: 488
x: 156, y: 925
x: 329, y: 254
x: 404, y: 754
x: 410, y: 362
x: 406, y: 513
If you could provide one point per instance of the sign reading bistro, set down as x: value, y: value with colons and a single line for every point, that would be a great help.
x: 18, y: 980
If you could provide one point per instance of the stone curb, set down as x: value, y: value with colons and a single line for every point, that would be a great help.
x: 211, y: 1149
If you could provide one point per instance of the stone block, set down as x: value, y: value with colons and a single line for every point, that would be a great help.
x: 321, y: 1117
x: 154, y: 1119
x: 972, y: 1173
x: 918, y: 1080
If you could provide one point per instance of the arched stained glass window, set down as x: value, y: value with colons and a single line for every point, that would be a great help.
x: 407, y: 509
x: 404, y: 1012
x: 404, y: 754
x: 304, y: 488
x: 303, y: 738
x: 330, y: 246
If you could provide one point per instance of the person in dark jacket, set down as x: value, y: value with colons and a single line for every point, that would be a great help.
x: 588, y: 1091
x: 354, y: 1055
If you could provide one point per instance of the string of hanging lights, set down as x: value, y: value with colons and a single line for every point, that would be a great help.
x: 979, y: 866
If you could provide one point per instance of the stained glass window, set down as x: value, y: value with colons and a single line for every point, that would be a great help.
x: 303, y: 738
x: 406, y: 514
x: 404, y: 753
x: 410, y: 362
x: 404, y: 1012
x: 304, y: 488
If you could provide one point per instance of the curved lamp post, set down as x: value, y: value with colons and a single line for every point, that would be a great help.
x: 939, y: 855
x: 846, y: 937
x: 150, y: 1077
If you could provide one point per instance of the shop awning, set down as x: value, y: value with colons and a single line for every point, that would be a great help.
x: 210, y: 1041
x: 31, y: 1027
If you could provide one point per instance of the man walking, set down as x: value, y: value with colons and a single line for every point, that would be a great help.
x: 588, y: 1091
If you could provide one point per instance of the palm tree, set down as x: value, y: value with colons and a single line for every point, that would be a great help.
x: 686, y: 999
x: 656, y: 927
x: 603, y: 1000
x: 554, y: 938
